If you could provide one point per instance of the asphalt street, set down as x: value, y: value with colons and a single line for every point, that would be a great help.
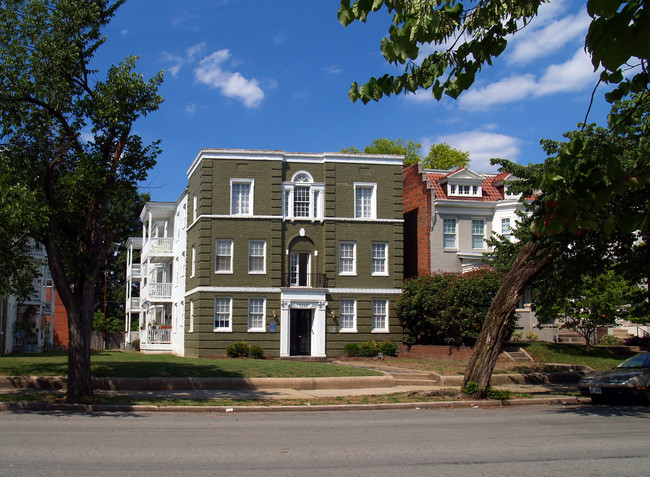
x: 530, y: 440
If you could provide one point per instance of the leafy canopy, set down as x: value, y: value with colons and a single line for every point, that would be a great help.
x: 441, y: 156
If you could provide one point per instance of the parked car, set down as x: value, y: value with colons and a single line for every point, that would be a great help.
x: 629, y: 380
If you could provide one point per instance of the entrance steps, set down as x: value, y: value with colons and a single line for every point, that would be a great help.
x: 569, y: 336
x: 516, y: 353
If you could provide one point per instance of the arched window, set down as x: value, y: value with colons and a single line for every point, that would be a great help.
x: 302, y: 198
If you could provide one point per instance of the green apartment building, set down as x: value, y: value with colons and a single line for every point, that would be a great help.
x: 297, y: 253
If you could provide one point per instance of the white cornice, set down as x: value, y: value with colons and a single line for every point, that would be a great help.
x: 341, y: 291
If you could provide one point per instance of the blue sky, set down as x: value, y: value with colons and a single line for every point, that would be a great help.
x: 275, y: 75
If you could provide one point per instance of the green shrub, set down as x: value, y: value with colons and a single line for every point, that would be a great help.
x: 448, y: 309
x: 517, y: 335
x: 256, y: 352
x: 351, y: 349
x: 239, y: 349
x: 368, y: 349
x: 497, y: 394
x: 135, y: 345
x: 388, y: 348
x: 609, y: 340
x: 643, y: 342
x: 531, y: 336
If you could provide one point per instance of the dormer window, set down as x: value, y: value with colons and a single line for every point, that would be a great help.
x: 302, y: 198
x: 466, y: 190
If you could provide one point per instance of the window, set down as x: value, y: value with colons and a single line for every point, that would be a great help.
x: 257, y: 256
x: 256, y: 313
x: 380, y: 258
x: 224, y: 256
x: 478, y: 233
x: 449, y: 233
x: 379, y: 316
x: 195, y: 207
x: 505, y: 228
x: 464, y: 189
x: 193, y: 260
x: 302, y: 198
x: 365, y: 201
x: 348, y: 316
x: 347, y: 258
x: 223, y: 314
x: 191, y: 330
x: 241, y: 197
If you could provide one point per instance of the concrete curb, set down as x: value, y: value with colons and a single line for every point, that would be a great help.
x: 196, y: 384
x: 52, y: 407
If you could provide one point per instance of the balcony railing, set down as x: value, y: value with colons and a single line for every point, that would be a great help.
x: 159, y: 335
x: 136, y: 270
x: 158, y: 291
x: 158, y: 246
x: 305, y: 280
x: 133, y: 304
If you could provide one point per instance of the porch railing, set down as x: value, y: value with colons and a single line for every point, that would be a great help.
x: 158, y: 291
x: 159, y: 335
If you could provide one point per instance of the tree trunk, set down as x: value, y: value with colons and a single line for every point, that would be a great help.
x: 79, y: 378
x: 528, y: 264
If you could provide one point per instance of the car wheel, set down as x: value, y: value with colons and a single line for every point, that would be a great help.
x: 598, y: 400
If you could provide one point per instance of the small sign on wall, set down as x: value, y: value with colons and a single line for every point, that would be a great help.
x: 272, y: 327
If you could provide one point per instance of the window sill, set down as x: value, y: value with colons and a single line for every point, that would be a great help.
x: 223, y: 330
x: 347, y: 331
x: 380, y: 274
x: 257, y: 273
x: 223, y: 273
x: 348, y: 274
x: 380, y: 331
x: 256, y: 330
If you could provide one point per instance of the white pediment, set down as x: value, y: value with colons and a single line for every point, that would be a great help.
x: 466, y: 176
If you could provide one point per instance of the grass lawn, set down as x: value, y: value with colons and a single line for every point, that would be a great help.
x: 138, y: 365
x: 543, y: 354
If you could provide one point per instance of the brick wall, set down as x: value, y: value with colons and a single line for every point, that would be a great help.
x: 417, y: 223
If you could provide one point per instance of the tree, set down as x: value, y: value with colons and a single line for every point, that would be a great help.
x: 619, y: 36
x: 441, y: 156
x: 597, y: 301
x: 67, y: 140
x: 409, y: 149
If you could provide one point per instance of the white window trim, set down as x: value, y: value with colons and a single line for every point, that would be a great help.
x: 191, y: 327
x: 193, y: 270
x: 316, y: 201
x: 257, y: 272
x: 261, y: 329
x: 453, y: 189
x: 353, y: 329
x: 478, y: 219
x: 251, y: 197
x: 455, y: 247
x: 216, y: 257
x: 195, y: 207
x: 373, y: 199
x: 227, y: 329
x: 372, y: 315
x: 385, y: 273
x: 353, y: 273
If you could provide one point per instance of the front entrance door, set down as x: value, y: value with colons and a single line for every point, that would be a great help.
x: 300, y: 333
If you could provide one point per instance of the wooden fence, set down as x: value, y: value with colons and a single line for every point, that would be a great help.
x: 114, y: 340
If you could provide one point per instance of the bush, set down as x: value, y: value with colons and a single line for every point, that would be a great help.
x: 351, y: 349
x: 368, y: 349
x: 256, y: 352
x: 609, y: 340
x: 517, y: 335
x: 473, y: 389
x: 448, y: 309
x: 135, y: 345
x: 239, y: 349
x: 643, y: 342
x: 388, y: 348
x: 531, y: 336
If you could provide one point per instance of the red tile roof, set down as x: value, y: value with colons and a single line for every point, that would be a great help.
x: 491, y: 193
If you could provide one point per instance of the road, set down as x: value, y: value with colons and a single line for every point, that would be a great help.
x: 530, y: 440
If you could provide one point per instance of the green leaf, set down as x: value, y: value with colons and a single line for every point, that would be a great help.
x: 345, y: 14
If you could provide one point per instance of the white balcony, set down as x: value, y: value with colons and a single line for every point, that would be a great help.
x: 158, y: 246
x: 135, y: 271
x: 158, y: 291
x: 133, y: 305
x: 157, y: 335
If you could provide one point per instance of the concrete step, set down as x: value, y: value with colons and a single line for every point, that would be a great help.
x: 516, y: 353
x: 415, y: 382
x: 415, y: 379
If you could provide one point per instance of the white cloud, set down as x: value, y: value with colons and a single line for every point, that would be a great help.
x: 195, y: 50
x: 572, y: 75
x: 231, y: 84
x: 332, y: 70
x: 280, y: 38
x: 538, y: 39
x: 190, y: 109
x: 175, y: 62
x: 482, y: 146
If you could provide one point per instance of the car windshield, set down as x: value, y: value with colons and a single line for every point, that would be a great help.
x: 638, y: 361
